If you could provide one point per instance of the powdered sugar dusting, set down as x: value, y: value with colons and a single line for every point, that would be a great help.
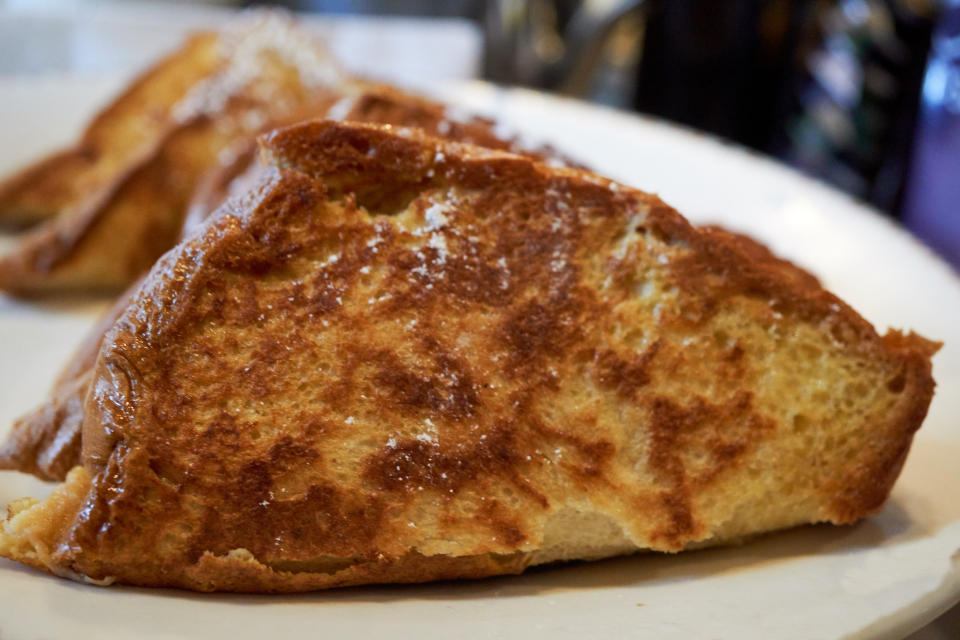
x: 247, y: 48
x: 436, y: 215
x: 438, y: 242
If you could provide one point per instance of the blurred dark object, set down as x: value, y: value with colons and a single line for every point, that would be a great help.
x: 720, y: 66
x: 410, y: 8
x: 852, y: 107
x: 576, y: 47
x: 584, y: 48
x: 931, y: 206
x: 829, y: 86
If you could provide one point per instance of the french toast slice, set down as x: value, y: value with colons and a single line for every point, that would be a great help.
x: 400, y: 359
x: 114, y: 204
x: 123, y: 133
x: 46, y: 442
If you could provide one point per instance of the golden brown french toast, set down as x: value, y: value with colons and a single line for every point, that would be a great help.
x: 401, y: 359
x: 46, y: 442
x: 115, y: 203
x: 121, y: 135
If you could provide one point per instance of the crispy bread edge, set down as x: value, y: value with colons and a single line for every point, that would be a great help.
x: 30, y: 182
x: 870, y: 479
x: 33, y: 529
x: 56, y: 256
x: 46, y: 441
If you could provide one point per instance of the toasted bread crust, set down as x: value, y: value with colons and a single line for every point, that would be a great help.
x: 400, y: 359
x: 864, y: 486
x: 375, y: 104
x: 46, y: 441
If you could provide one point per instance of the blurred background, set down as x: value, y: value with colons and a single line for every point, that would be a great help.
x: 863, y: 94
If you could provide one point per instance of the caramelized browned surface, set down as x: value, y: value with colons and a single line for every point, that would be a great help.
x: 27, y: 445
x: 46, y: 441
x: 401, y: 359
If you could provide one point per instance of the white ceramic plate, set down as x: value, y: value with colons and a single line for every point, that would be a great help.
x: 881, y: 578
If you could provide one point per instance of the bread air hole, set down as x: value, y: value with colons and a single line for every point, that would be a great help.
x: 897, y: 384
